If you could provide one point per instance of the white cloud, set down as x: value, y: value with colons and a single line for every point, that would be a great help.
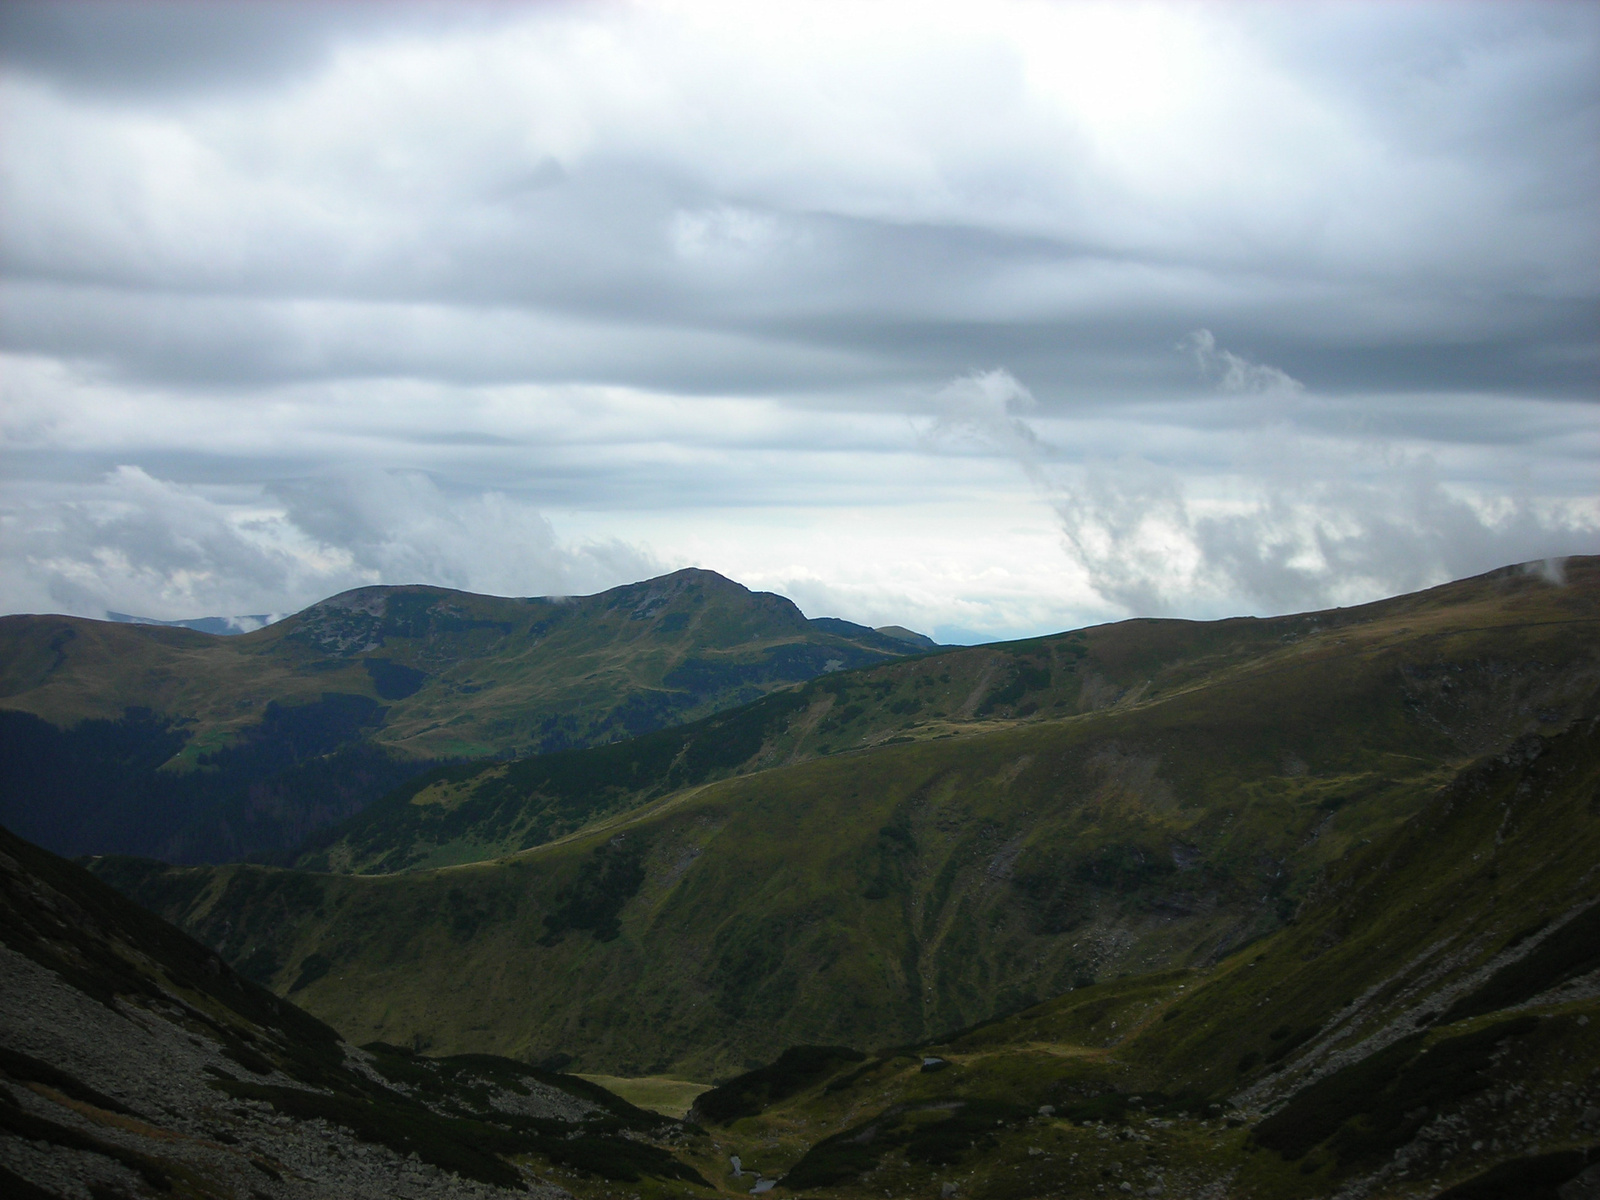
x: 1235, y: 373
x: 135, y: 543
x: 413, y: 164
x: 1313, y: 535
x: 984, y: 408
x: 1288, y: 521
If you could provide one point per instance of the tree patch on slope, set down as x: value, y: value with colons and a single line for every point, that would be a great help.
x: 392, y: 680
x: 796, y: 1069
x: 1057, y: 894
x: 895, y: 847
x: 606, y: 881
x: 1024, y: 675
x: 1570, y: 951
x: 1055, y: 902
x: 749, y: 971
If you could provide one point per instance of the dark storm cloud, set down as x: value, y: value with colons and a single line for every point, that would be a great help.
x: 188, y: 340
x: 1460, y: 268
x: 147, y: 49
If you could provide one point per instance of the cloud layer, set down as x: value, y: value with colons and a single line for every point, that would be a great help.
x: 1184, y: 309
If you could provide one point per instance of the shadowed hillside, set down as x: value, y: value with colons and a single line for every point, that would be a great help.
x: 192, y: 747
x: 133, y: 1062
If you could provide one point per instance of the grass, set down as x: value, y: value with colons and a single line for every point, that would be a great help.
x: 1141, y: 665
x: 441, y: 1111
x: 657, y: 1093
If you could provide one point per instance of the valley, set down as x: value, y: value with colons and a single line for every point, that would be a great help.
x: 1292, y: 907
x: 884, y: 894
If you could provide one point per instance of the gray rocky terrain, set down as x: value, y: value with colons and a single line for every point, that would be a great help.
x: 133, y: 1062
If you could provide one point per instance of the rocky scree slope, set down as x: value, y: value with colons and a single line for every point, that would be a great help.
x: 881, y: 896
x: 133, y: 1062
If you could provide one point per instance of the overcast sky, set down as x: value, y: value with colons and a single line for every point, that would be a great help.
x: 986, y: 319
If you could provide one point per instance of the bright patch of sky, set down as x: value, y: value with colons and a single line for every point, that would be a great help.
x: 984, y: 319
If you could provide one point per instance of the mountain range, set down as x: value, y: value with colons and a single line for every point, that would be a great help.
x: 1302, y: 906
x: 201, y: 748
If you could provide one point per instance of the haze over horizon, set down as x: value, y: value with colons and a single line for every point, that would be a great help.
x: 983, y: 320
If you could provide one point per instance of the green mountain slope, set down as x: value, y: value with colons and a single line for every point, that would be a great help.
x: 458, y: 674
x: 279, y: 731
x: 133, y: 1062
x: 916, y: 886
x: 1427, y: 1025
x: 1469, y: 697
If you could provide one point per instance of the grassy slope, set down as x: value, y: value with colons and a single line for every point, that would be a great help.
x: 882, y: 896
x: 655, y: 1093
x: 461, y: 674
x: 1463, y: 692
x: 1430, y: 1017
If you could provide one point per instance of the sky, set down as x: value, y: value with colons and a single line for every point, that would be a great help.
x: 984, y: 319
